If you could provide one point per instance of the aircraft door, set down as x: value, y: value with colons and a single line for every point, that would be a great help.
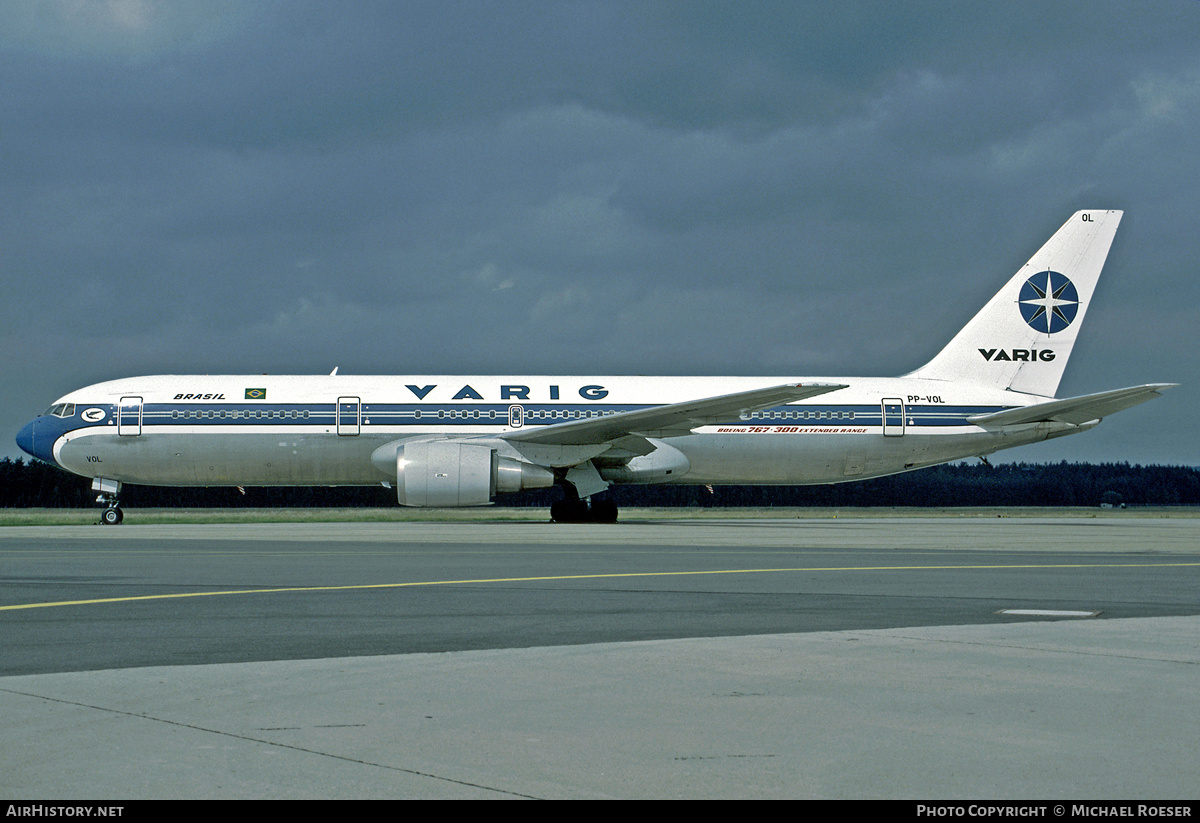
x: 129, y: 417
x: 893, y: 417
x: 349, y: 415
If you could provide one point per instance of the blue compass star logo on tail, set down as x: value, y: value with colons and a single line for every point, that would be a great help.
x: 1048, y: 302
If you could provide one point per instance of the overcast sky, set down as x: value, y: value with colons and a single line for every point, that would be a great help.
x: 776, y: 188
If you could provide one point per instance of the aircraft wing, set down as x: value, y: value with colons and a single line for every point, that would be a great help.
x: 667, y: 421
x: 1076, y: 410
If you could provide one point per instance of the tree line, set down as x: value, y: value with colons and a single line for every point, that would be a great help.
x: 37, y: 484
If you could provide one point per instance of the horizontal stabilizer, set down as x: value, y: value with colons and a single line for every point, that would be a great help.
x: 1075, y: 410
x: 676, y: 418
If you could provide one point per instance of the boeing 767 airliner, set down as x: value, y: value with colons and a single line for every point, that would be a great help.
x: 460, y: 441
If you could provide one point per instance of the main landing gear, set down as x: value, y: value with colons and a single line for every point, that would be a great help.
x: 574, y: 510
x: 579, y: 511
x: 107, y: 497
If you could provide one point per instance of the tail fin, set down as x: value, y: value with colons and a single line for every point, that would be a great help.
x: 1022, y: 338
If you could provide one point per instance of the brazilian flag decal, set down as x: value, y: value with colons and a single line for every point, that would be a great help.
x: 256, y: 394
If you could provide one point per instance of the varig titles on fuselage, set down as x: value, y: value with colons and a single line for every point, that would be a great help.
x: 507, y: 391
x: 511, y: 392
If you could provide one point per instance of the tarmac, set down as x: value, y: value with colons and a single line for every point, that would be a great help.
x: 1050, y: 709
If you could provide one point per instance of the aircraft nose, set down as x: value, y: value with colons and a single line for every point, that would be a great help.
x: 34, y: 443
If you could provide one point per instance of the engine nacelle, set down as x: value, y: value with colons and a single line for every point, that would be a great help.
x: 448, y: 473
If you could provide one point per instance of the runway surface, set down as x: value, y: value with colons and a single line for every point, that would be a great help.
x: 791, y: 658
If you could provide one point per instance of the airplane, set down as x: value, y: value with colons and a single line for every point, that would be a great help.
x: 451, y: 441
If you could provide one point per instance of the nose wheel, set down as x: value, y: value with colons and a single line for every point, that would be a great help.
x: 112, y: 516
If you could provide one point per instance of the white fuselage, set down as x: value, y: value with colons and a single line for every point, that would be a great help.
x: 322, y: 430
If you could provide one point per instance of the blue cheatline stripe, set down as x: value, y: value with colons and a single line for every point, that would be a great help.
x: 452, y: 415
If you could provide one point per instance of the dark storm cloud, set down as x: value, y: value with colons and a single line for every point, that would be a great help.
x: 586, y: 187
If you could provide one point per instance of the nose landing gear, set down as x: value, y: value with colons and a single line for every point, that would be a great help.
x: 107, y: 497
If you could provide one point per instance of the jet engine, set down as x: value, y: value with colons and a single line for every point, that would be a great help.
x: 447, y: 473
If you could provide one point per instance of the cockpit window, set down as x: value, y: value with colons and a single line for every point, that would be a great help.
x: 62, y: 410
